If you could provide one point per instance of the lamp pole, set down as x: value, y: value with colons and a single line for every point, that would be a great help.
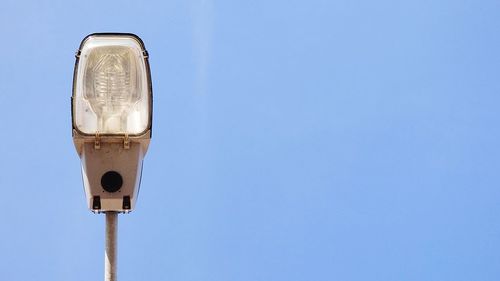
x: 110, y: 252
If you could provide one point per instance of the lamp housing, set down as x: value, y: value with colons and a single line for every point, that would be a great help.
x: 111, y: 118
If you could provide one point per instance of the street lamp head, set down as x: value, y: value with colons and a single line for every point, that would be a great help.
x: 112, y: 116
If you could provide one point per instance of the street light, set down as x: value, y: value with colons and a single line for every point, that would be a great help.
x: 111, y: 110
x: 112, y: 114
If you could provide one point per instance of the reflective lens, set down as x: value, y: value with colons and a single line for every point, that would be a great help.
x: 111, y: 91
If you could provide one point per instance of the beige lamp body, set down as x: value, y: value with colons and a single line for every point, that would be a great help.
x: 112, y: 114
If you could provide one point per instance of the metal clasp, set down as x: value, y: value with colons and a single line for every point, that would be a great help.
x: 97, y: 142
x: 126, y: 142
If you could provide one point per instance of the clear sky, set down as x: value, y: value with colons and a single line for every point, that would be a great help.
x: 293, y: 141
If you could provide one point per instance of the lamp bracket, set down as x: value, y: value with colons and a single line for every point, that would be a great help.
x: 97, y: 141
x: 126, y: 142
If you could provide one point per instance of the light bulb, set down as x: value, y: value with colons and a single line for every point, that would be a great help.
x: 111, y: 87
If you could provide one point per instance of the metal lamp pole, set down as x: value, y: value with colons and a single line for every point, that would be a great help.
x: 110, y: 252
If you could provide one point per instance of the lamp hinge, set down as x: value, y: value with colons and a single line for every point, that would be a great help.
x: 97, y: 142
x: 126, y: 142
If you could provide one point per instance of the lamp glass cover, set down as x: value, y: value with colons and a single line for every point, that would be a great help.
x: 111, y: 94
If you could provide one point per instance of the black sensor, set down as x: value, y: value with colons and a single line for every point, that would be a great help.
x: 111, y: 181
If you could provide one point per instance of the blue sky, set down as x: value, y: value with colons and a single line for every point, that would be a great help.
x: 293, y: 140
